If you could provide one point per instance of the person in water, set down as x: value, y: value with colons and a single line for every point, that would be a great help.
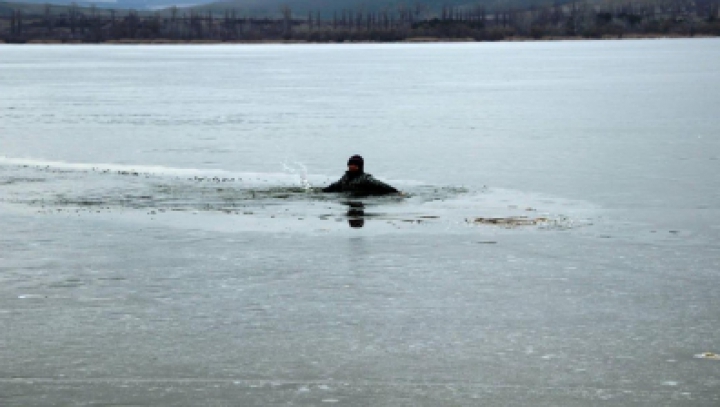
x: 358, y: 182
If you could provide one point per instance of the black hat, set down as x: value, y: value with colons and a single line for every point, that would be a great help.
x: 357, y: 160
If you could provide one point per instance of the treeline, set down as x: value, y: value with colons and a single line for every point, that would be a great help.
x: 480, y: 23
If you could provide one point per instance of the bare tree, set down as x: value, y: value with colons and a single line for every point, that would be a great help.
x: 173, y: 22
x: 47, y: 11
x: 13, y: 22
x: 112, y: 23
x: 95, y: 24
x: 72, y: 14
x: 287, y: 21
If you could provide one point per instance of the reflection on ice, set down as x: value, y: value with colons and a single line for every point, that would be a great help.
x: 356, y: 214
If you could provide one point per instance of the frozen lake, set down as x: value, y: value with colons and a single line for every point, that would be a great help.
x: 164, y: 241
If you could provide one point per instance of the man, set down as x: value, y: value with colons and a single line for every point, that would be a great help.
x: 357, y: 182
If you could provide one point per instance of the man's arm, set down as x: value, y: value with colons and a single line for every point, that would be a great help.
x: 376, y: 186
x: 334, y: 187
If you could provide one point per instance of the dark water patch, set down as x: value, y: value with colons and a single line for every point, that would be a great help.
x: 430, y: 193
x: 20, y: 180
x: 171, y: 197
x: 90, y: 190
x: 180, y: 195
x: 68, y: 283
x: 509, y: 222
x: 543, y: 223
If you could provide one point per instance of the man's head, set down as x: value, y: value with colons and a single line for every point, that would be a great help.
x: 356, y: 164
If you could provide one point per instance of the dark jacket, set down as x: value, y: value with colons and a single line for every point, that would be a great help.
x: 360, y: 184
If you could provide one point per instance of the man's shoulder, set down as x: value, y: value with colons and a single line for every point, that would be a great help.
x: 367, y: 178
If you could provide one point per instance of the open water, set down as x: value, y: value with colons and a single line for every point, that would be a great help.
x: 163, y: 240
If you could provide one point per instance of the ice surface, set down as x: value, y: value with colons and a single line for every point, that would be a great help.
x: 163, y: 241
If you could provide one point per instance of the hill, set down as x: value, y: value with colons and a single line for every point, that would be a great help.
x: 269, y: 8
x: 111, y: 4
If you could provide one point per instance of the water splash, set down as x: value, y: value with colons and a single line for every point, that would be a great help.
x: 299, y: 169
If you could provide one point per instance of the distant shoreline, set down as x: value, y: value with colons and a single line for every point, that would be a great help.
x: 415, y: 40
